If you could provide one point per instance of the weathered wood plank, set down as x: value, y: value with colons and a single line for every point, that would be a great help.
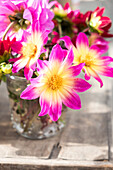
x: 83, y: 152
x: 86, y: 129
x: 91, y: 131
x: 38, y: 164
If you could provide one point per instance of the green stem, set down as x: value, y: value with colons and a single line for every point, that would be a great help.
x: 60, y: 29
x: 7, y: 29
x: 30, y: 121
x: 85, y: 30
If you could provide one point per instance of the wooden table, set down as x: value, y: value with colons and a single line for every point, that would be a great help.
x: 84, y: 144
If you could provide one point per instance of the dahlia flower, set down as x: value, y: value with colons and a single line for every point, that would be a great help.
x: 30, y: 49
x: 5, y: 49
x: 56, y: 84
x: 60, y: 11
x: 100, y: 23
x: 91, y: 56
x: 20, y: 15
x: 78, y: 19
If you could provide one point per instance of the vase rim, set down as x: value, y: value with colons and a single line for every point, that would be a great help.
x: 15, y: 76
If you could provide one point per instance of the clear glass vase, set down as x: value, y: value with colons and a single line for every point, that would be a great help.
x: 24, y: 113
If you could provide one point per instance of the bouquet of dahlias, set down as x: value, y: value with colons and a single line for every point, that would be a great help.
x: 50, y: 46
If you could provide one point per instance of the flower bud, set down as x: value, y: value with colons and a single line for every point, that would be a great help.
x: 60, y: 12
x: 7, y: 69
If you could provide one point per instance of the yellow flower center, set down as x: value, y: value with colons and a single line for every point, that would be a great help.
x: 55, y: 82
x: 88, y: 60
x: 29, y: 50
x: 95, y: 22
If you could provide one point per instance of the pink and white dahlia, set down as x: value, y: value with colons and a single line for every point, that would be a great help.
x: 44, y: 14
x: 60, y: 11
x: 45, y: 3
x: 20, y: 15
x: 91, y: 56
x: 30, y: 49
x: 56, y: 84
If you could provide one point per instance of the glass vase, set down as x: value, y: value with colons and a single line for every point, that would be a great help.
x: 24, y: 113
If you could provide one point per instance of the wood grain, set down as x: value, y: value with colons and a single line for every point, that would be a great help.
x: 38, y: 164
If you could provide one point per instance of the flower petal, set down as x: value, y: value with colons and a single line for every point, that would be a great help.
x: 27, y: 15
x: 53, y: 115
x: 99, y: 11
x: 104, y: 61
x: 16, y: 47
x: 71, y: 99
x: 105, y: 21
x: 93, y: 73
x: 35, y: 80
x: 28, y: 72
x: 41, y: 64
x: 67, y: 41
x: 82, y: 43
x: 95, y: 50
x: 45, y: 15
x: 5, y: 10
x: 13, y: 59
x: 44, y: 36
x: 56, y: 53
x: 105, y: 70
x: 30, y: 93
x: 44, y: 103
x: 51, y: 4
x: 69, y: 58
x: 87, y: 74
x: 19, y: 64
x: 56, y: 107
x: 76, y: 70
x: 81, y: 85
